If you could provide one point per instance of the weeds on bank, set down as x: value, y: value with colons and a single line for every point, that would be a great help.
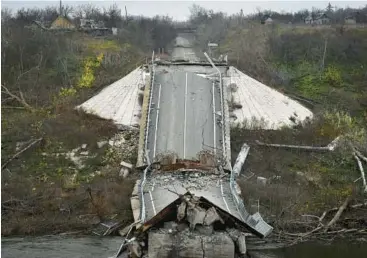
x: 306, y: 182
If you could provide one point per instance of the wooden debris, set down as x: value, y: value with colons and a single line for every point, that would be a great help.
x: 362, y: 173
x: 241, y: 159
x: 21, y: 151
x: 338, y: 214
x: 329, y: 147
x: 360, y: 155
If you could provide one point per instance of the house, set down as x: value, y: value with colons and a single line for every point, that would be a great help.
x: 350, y: 20
x: 266, y: 19
x: 62, y: 22
x: 355, y: 17
x: 322, y: 19
x: 91, y: 24
x: 309, y: 20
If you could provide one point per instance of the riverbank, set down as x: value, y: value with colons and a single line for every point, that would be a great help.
x: 295, y: 190
x: 83, y: 247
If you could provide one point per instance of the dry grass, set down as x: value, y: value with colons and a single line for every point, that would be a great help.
x: 298, y: 182
x: 48, y: 208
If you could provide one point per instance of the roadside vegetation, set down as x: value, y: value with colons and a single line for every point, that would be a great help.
x: 324, y: 68
x: 60, y: 170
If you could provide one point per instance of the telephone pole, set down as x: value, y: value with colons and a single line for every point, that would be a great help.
x: 60, y: 8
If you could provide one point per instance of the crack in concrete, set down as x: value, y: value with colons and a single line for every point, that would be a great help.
x: 202, y: 246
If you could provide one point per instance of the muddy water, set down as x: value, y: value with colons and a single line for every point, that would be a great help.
x: 86, y: 247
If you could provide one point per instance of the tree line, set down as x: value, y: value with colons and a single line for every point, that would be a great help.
x: 336, y: 15
x: 38, y: 63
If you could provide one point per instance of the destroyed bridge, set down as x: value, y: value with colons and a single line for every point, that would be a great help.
x: 188, y: 184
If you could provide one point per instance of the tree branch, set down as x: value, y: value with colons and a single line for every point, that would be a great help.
x: 338, y: 214
x: 362, y: 172
x: 329, y: 147
x: 20, y: 152
x: 20, y: 99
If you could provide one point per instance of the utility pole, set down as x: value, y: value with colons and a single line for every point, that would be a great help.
x: 126, y: 14
x: 60, y: 8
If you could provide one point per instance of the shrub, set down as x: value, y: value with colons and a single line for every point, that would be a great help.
x: 332, y: 76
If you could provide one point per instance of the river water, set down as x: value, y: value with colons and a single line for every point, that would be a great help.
x: 86, y: 247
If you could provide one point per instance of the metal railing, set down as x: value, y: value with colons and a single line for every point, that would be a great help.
x: 149, y: 106
x: 224, y: 143
x: 146, y: 154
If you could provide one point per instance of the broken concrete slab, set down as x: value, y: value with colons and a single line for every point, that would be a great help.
x: 84, y: 153
x: 135, y: 201
x: 125, y: 169
x: 187, y: 244
x: 241, y: 243
x: 261, y: 180
x: 135, y: 249
x: 181, y: 211
x: 195, y: 215
x: 101, y: 144
x: 211, y: 216
x: 112, y: 103
x: 205, y: 230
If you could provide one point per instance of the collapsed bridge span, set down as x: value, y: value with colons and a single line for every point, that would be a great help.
x: 187, y: 201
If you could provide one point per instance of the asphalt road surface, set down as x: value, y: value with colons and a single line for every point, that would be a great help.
x: 184, y: 48
x: 185, y: 116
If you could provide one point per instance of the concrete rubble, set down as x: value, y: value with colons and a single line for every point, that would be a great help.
x: 125, y: 169
x: 162, y: 244
x: 261, y: 180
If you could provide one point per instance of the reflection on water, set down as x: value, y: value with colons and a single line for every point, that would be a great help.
x: 339, y: 249
x: 83, y: 247
x: 59, y: 247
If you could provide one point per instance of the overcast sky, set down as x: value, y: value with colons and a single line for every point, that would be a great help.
x: 179, y: 10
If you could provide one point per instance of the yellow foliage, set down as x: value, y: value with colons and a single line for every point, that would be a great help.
x: 104, y: 45
x: 343, y: 124
x: 89, y: 67
x: 332, y: 76
x: 66, y: 92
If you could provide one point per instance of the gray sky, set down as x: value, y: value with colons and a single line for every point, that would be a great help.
x: 179, y: 10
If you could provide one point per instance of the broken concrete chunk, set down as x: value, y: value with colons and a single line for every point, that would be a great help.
x: 135, y: 249
x: 241, y: 242
x: 233, y: 233
x: 84, y: 153
x: 84, y: 146
x: 101, y: 144
x: 160, y: 245
x: 124, y: 172
x: 163, y: 245
x: 170, y: 225
x: 205, y: 230
x: 218, y: 245
x: 195, y: 215
x: 135, y: 206
x: 182, y: 226
x: 126, y: 165
x: 211, y: 216
x: 126, y: 168
x: 261, y: 180
x: 181, y: 211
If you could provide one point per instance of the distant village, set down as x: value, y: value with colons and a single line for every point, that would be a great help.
x: 63, y: 23
x: 322, y: 19
x: 94, y: 24
x: 331, y: 15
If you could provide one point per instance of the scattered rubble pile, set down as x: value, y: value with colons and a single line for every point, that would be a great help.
x: 187, y: 208
x: 190, y: 227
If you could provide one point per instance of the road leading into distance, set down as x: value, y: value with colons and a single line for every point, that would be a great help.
x: 185, y: 116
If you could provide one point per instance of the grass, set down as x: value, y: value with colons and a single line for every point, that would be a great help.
x: 53, y: 191
x: 298, y: 182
